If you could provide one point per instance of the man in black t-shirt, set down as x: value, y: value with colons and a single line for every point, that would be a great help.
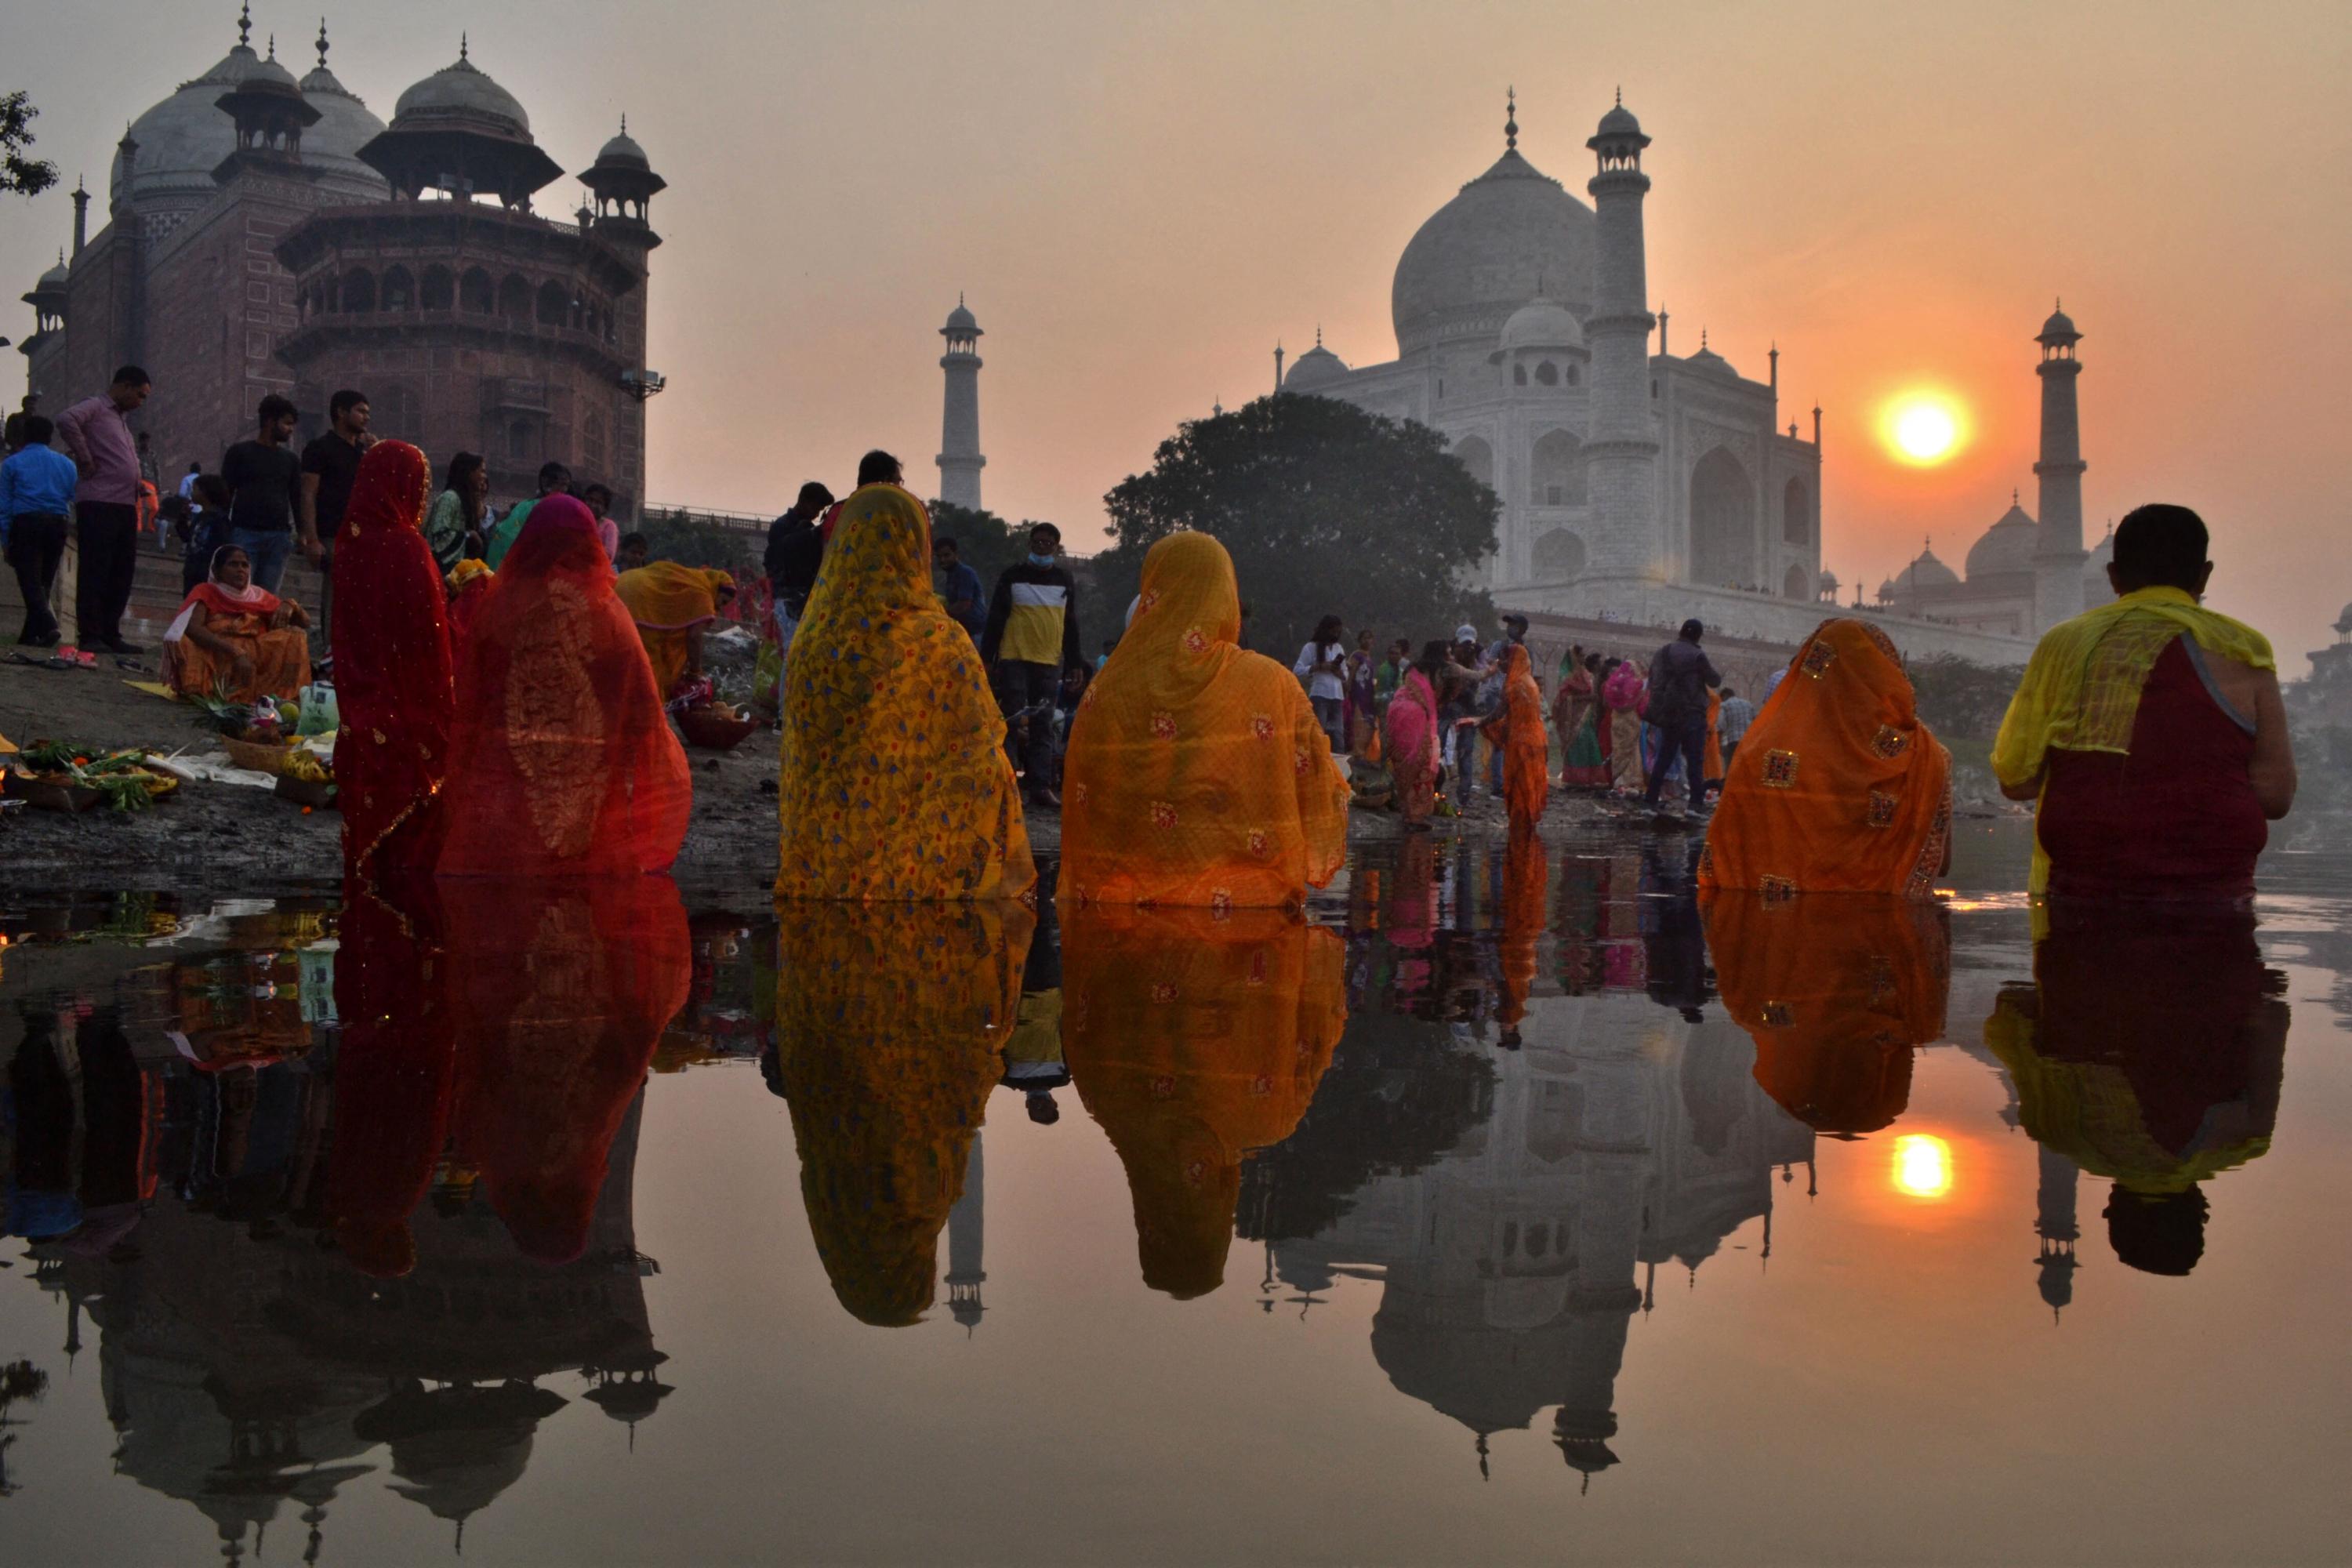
x: 795, y: 550
x: 329, y: 463
x: 261, y: 475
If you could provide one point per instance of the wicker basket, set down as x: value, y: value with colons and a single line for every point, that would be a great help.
x: 253, y: 754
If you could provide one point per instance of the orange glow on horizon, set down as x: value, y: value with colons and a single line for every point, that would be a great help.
x: 1923, y: 1166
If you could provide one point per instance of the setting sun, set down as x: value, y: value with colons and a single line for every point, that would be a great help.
x: 1924, y: 428
x: 1923, y: 1165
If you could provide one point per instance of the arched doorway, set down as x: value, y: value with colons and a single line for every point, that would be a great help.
x: 1797, y: 585
x: 1559, y: 556
x: 1722, y: 522
x: 1556, y: 474
x: 1797, y: 513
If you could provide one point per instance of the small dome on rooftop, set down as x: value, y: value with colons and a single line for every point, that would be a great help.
x: 623, y: 150
x: 1619, y: 121
x: 2007, y: 547
x: 56, y: 277
x: 1541, y: 324
x: 1928, y: 572
x: 461, y: 94
x: 960, y: 320
x: 1319, y: 367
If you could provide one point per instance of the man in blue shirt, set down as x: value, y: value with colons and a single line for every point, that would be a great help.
x: 36, y: 491
x: 958, y: 586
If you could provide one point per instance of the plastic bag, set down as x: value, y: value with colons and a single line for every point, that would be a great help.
x: 320, y: 714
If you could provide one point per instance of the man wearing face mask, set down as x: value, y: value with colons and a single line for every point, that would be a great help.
x: 1031, y: 638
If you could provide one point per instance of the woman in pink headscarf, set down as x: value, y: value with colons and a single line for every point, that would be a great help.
x: 1623, y: 696
x: 1413, y: 738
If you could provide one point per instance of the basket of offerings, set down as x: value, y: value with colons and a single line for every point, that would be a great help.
x: 308, y: 780
x: 269, y: 755
x: 715, y: 726
x: 60, y: 775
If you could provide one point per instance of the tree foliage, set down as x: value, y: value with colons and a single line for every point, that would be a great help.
x: 1325, y: 508
x: 1960, y: 699
x: 692, y: 540
x: 20, y: 172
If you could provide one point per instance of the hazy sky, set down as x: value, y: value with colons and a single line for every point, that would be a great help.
x: 1140, y: 200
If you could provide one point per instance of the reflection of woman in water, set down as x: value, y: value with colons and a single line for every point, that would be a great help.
x: 2159, y: 1087
x: 1193, y: 1040
x: 559, y: 990
x: 891, y: 1021
x: 1837, y: 993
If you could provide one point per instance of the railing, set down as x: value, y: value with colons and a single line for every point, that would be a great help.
x: 739, y: 522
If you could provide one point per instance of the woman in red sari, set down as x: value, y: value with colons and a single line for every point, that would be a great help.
x: 562, y: 761
x: 392, y: 681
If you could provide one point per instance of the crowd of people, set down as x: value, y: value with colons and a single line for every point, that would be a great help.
x: 504, y: 682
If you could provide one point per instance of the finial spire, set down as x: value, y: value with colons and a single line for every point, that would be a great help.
x: 1621, y: 96
x: 322, y: 43
x: 463, y: 45
x: 1510, y: 120
x: 273, y: 46
x: 245, y: 26
x: 624, y: 123
x: 1318, y: 334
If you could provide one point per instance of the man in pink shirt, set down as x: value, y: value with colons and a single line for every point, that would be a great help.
x: 96, y: 434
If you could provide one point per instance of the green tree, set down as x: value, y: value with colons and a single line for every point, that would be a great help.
x: 1960, y: 699
x: 1325, y: 508
x: 692, y: 540
x: 20, y: 172
x: 986, y: 542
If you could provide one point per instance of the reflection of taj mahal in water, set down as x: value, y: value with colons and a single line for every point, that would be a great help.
x: 1620, y: 1139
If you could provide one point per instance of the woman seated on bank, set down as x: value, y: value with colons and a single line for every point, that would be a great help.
x: 1838, y: 787
x: 1198, y: 774
x: 893, y: 781
x: 235, y: 640
x: 673, y: 605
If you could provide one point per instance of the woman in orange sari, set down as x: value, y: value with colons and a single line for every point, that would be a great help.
x: 1518, y: 729
x: 1838, y: 992
x: 1197, y: 774
x: 674, y: 605
x: 562, y: 762
x: 1194, y: 1040
x: 1838, y: 786
x: 234, y: 640
x: 392, y: 679
x: 893, y: 781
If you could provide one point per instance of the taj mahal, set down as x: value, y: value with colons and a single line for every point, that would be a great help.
x: 1639, y: 487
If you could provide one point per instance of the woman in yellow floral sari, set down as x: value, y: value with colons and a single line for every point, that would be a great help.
x: 1197, y: 774
x: 1193, y: 1039
x: 893, y: 781
x: 673, y: 605
x: 891, y: 1023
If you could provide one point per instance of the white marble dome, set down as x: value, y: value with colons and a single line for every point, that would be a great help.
x: 1512, y: 233
x: 2007, y: 547
x: 461, y: 95
x: 182, y: 140
x: 1541, y: 324
x: 1927, y: 571
x: 1317, y: 367
x: 345, y: 125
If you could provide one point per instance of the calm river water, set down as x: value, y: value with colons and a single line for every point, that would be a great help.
x: 1498, y: 1216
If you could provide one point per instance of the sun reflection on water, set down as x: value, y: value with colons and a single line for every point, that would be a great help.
x: 1923, y: 1165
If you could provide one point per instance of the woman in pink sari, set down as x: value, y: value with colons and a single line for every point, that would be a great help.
x: 1413, y: 739
x: 1623, y: 696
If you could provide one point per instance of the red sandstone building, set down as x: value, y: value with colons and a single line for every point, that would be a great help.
x: 268, y: 235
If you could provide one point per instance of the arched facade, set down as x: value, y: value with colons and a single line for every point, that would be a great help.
x: 1797, y: 585
x: 1796, y: 513
x: 1556, y: 470
x: 1722, y: 521
x: 1558, y: 555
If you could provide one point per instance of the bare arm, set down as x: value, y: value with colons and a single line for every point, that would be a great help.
x: 693, y: 652
x: 2272, y: 767
x: 306, y: 506
x: 200, y: 633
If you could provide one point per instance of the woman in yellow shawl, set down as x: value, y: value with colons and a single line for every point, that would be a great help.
x: 1194, y: 1040
x: 1838, y: 787
x: 1197, y: 774
x: 1518, y: 729
x: 673, y: 604
x: 893, y: 781
x: 891, y: 1021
